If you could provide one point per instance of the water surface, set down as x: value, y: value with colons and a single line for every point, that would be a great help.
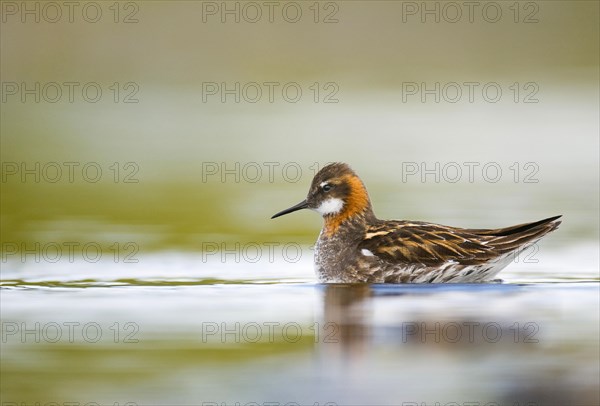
x: 173, y: 329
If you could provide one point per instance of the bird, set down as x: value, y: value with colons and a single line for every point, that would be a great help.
x: 354, y: 246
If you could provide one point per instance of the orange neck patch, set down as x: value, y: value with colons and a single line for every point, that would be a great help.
x: 356, y: 203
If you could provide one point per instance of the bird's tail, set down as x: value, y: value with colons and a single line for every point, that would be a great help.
x: 520, y: 236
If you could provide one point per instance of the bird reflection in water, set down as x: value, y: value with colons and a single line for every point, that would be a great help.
x: 507, y: 354
x: 346, y: 320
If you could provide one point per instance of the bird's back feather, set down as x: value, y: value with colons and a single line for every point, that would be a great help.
x: 399, y: 242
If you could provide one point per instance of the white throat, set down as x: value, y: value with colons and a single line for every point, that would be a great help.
x: 330, y: 206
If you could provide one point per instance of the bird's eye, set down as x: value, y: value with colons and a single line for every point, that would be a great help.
x: 327, y: 188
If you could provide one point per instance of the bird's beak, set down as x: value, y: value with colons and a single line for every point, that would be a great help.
x: 302, y: 205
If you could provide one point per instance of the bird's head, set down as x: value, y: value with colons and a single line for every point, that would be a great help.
x: 336, y: 193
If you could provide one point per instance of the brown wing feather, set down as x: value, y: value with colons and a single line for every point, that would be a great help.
x: 431, y: 244
x: 426, y: 243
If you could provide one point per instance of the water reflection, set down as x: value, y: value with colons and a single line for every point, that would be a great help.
x: 375, y: 344
x: 348, y: 317
x: 423, y: 336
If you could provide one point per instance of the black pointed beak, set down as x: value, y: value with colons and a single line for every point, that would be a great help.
x: 302, y: 205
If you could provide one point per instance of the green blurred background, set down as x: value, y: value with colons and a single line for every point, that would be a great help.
x: 181, y: 168
x: 367, y: 52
